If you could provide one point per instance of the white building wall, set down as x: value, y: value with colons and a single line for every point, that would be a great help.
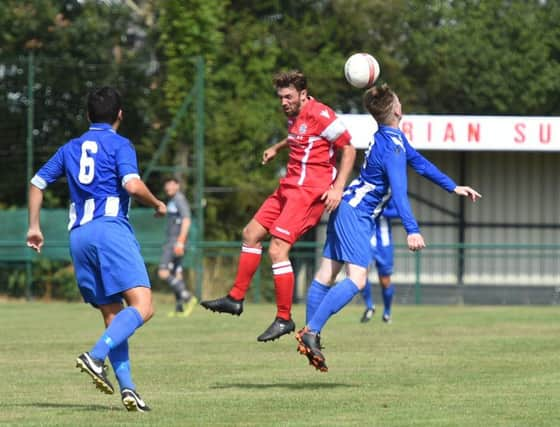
x: 520, y: 207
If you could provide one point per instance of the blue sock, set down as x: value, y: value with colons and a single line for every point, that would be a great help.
x: 367, y: 295
x: 123, y: 326
x: 388, y: 299
x: 315, y: 295
x: 121, y: 365
x: 339, y: 295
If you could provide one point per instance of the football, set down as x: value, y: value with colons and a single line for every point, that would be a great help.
x: 361, y: 70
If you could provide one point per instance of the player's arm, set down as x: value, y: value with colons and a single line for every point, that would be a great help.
x: 428, y: 170
x: 271, y: 152
x: 185, y: 212
x: 333, y: 195
x: 140, y: 192
x: 395, y: 164
x: 184, y: 231
x: 179, y: 246
x: 127, y: 170
x: 35, y: 238
x: 389, y: 211
x: 49, y: 173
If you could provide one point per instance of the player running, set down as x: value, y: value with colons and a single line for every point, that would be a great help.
x: 171, y: 262
x: 383, y: 176
x: 102, y: 174
x: 312, y: 185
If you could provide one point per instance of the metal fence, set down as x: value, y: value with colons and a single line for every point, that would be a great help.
x: 442, y: 273
x: 501, y: 250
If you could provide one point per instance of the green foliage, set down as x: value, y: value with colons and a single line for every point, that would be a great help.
x: 240, y: 58
x: 51, y: 280
x: 15, y: 283
x: 471, y: 57
x: 24, y: 24
x: 76, y: 45
x: 57, y: 280
x: 484, y: 57
x: 187, y: 29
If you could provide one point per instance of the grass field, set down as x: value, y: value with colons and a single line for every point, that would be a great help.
x: 433, y: 366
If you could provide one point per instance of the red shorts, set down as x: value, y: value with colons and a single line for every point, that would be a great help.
x: 291, y: 211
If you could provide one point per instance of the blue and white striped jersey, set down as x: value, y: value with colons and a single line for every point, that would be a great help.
x: 384, y: 176
x: 97, y: 165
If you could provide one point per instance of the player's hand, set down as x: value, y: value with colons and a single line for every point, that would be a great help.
x: 332, y: 198
x: 268, y: 154
x: 35, y: 239
x: 179, y: 249
x: 463, y: 190
x: 415, y: 242
x: 161, y: 209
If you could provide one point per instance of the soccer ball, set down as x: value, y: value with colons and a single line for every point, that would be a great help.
x: 361, y: 70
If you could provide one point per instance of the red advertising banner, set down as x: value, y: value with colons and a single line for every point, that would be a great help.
x: 466, y: 133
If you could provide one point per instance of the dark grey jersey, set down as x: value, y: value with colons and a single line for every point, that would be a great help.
x: 177, y: 209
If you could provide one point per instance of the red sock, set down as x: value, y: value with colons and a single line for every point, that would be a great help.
x: 249, y: 261
x: 284, y: 286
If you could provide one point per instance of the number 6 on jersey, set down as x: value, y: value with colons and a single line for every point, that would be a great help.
x: 87, y: 163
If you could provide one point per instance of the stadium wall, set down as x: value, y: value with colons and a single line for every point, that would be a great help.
x: 503, y: 249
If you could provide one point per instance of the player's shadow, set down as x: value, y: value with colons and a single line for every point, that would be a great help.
x: 74, y: 406
x: 289, y: 386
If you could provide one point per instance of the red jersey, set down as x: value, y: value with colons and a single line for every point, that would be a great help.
x: 313, y: 137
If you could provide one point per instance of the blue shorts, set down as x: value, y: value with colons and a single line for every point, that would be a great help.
x: 384, y: 251
x: 107, y: 260
x: 349, y: 236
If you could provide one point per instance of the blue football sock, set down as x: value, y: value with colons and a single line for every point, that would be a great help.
x: 367, y: 295
x: 121, y: 365
x: 315, y: 295
x: 339, y: 295
x: 123, y: 326
x: 388, y: 299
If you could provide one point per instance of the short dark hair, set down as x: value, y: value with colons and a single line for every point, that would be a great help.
x: 288, y: 78
x: 103, y: 105
x: 170, y: 179
x: 378, y: 100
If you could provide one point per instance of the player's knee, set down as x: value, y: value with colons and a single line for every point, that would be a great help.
x: 385, y: 281
x: 273, y: 253
x: 358, y: 276
x: 360, y: 282
x: 325, y: 278
x: 146, y: 310
x: 250, y: 238
x: 163, y: 274
x: 150, y: 311
x: 279, y: 250
x: 108, y: 318
x: 253, y: 233
x: 140, y: 297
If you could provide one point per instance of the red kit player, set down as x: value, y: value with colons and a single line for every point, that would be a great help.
x: 312, y: 185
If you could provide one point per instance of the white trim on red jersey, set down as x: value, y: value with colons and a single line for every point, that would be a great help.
x: 313, y: 137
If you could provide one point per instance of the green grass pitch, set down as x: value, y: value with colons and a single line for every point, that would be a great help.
x: 433, y: 366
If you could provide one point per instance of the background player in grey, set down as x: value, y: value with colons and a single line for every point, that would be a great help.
x: 171, y: 262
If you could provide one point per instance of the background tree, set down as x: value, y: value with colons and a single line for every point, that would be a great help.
x: 469, y: 57
x: 77, y: 45
x: 484, y: 57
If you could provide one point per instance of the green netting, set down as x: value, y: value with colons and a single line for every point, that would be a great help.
x: 13, y: 228
x: 56, y: 113
x: 150, y: 232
